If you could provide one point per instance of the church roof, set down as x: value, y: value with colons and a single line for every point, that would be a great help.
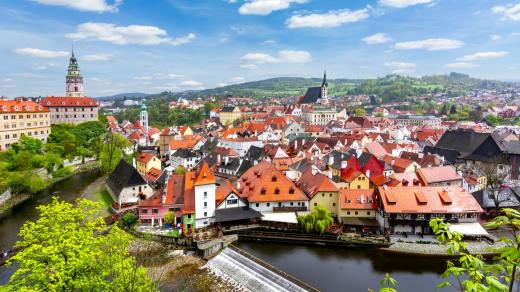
x: 55, y: 101
x: 312, y: 95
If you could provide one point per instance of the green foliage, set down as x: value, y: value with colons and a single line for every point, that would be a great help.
x: 25, y: 183
x: 70, y: 249
x: 169, y: 217
x: 112, y: 151
x: 472, y: 272
x: 316, y: 221
x: 359, y: 112
x: 62, y: 172
x: 130, y: 219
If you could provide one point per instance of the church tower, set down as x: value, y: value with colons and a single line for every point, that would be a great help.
x: 144, y: 116
x: 74, y: 80
x: 324, y: 99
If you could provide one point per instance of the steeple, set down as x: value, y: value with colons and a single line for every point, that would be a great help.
x: 324, y: 99
x: 144, y: 116
x: 74, y: 80
x: 324, y: 83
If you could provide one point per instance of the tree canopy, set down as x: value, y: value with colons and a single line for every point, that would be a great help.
x: 70, y: 248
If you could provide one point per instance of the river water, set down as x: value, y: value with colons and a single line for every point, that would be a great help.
x: 344, y: 269
x: 11, y: 221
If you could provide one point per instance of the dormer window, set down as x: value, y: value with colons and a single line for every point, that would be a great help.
x: 48, y: 103
x: 26, y: 107
x: 274, y: 178
x: 263, y: 191
x: 291, y: 191
x: 15, y: 107
x: 62, y: 103
x: 4, y: 108
x: 277, y: 191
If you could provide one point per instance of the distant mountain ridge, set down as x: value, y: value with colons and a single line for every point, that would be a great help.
x: 123, y: 95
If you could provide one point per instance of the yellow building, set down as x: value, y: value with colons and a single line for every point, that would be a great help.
x: 354, y: 179
x: 320, y: 189
x: 229, y: 114
x: 147, y: 161
x: 357, y: 208
x: 22, y: 117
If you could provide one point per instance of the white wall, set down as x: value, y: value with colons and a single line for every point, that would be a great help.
x: 200, y: 209
x: 226, y: 204
x: 268, y: 206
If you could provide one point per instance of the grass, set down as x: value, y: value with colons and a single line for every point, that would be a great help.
x: 106, y: 198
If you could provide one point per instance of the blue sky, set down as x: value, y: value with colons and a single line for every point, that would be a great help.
x: 155, y: 45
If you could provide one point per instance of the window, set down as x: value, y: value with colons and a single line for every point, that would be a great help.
x: 292, y: 203
x: 144, y: 211
x: 358, y: 187
x: 205, y: 194
x: 205, y: 204
x: 262, y: 192
x: 277, y: 191
x: 315, y: 204
x: 258, y: 205
x: 348, y: 212
x: 333, y: 204
x: 273, y: 178
x: 368, y: 213
x: 155, y: 210
x: 355, y: 213
x: 291, y: 191
x: 330, y: 195
x: 171, y: 210
x: 268, y: 204
x: 205, y: 214
x: 232, y: 201
x: 189, y: 216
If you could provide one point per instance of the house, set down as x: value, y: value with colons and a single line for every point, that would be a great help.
x: 186, y: 158
x: 320, y: 189
x: 440, y: 176
x: 126, y: 185
x: 229, y: 114
x: 352, y: 178
x: 233, y: 167
x: 400, y: 165
x: 204, y: 194
x: 358, y: 208
x: 151, y: 211
x: 156, y: 178
x: 147, y: 161
x: 268, y: 189
x: 409, y: 209
x: 293, y: 128
x: 227, y: 196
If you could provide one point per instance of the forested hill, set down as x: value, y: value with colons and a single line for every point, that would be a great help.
x: 390, y: 87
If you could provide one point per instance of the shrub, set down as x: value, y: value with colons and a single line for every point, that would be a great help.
x: 129, y: 219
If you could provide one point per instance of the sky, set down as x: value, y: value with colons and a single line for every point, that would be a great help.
x: 156, y: 45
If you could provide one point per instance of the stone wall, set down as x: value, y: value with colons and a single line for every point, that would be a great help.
x: 5, y: 196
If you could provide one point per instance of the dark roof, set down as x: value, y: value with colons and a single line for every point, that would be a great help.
x: 209, y: 145
x: 450, y: 156
x: 364, y: 158
x: 227, y: 109
x: 185, y: 153
x: 123, y: 176
x: 234, y: 214
x: 338, y: 158
x: 312, y: 95
x: 254, y: 153
x: 463, y: 141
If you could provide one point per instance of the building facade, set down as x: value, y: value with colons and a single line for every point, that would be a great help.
x: 19, y: 117
x: 229, y: 114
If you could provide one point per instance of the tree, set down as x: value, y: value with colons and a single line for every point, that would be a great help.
x: 359, y: 112
x: 496, y: 175
x: 388, y: 284
x: 316, y: 221
x: 112, y: 151
x: 453, y: 110
x: 130, y: 219
x: 70, y: 249
x: 444, y: 110
x: 169, y: 217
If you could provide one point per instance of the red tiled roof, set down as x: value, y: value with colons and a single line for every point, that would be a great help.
x: 223, y: 190
x: 135, y: 136
x: 189, y: 193
x: 438, y: 174
x: 18, y: 106
x: 358, y: 199
x: 205, y: 176
x: 435, y: 200
x: 145, y: 157
x: 153, y: 174
x: 350, y: 174
x: 311, y: 184
x: 55, y: 101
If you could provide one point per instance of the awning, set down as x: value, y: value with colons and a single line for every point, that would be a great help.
x: 284, y: 217
x: 469, y: 229
x: 359, y: 221
x: 235, y: 214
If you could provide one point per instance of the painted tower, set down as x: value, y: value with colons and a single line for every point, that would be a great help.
x: 205, y: 189
x: 144, y: 116
x: 324, y: 99
x: 74, y: 80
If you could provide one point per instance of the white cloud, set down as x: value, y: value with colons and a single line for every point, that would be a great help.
x: 269, y: 42
x: 378, y: 38
x: 329, y: 19
x: 287, y: 56
x: 495, y: 37
x: 222, y: 84
x: 430, y: 45
x: 85, y: 5
x: 37, y: 53
x: 400, y: 67
x: 265, y: 7
x: 403, y: 3
x: 483, y: 56
x: 192, y: 84
x: 231, y: 1
x: 237, y: 79
x: 223, y: 40
x: 508, y: 12
x: 249, y: 66
x: 7, y: 80
x: 98, y: 57
x: 124, y: 35
x: 168, y: 76
x: 461, y: 65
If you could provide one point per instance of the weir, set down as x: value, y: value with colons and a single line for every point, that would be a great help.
x: 252, y: 273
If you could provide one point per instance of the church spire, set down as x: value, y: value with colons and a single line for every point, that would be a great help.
x: 324, y: 83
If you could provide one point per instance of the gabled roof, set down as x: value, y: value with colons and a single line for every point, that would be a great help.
x: 311, y: 183
x: 463, y: 141
x: 205, y: 176
x: 124, y: 176
x: 362, y: 199
x: 349, y: 174
x: 18, y: 106
x: 223, y: 191
x: 438, y: 174
x: 54, y: 101
x: 145, y: 157
x: 312, y: 95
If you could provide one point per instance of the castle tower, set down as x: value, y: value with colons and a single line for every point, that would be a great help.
x: 205, y: 189
x: 144, y: 116
x: 324, y: 99
x: 74, y: 80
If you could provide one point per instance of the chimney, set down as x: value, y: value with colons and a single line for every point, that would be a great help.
x: 314, y: 170
x: 226, y: 160
x: 134, y: 164
x: 344, y: 164
x: 358, y: 152
x: 392, y: 162
x: 331, y: 159
x: 296, y: 143
x: 238, y: 185
x: 218, y: 158
x: 367, y: 173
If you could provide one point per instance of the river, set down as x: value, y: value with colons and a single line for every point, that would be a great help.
x: 11, y: 221
x: 344, y: 269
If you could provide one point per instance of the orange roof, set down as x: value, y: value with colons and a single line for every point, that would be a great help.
x: 433, y: 200
x: 223, y: 191
x: 311, y: 184
x: 145, y: 157
x: 153, y: 174
x: 54, y: 101
x: 135, y: 135
x: 438, y: 174
x: 264, y: 183
x: 313, y: 129
x: 205, y: 176
x: 398, y: 163
x: 186, y: 142
x: 350, y: 174
x: 231, y: 131
x: 18, y: 106
x: 282, y: 163
x: 381, y: 179
x: 111, y: 119
x: 189, y: 193
x: 358, y: 199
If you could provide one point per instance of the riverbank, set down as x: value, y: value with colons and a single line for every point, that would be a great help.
x: 18, y: 199
x: 439, y: 250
